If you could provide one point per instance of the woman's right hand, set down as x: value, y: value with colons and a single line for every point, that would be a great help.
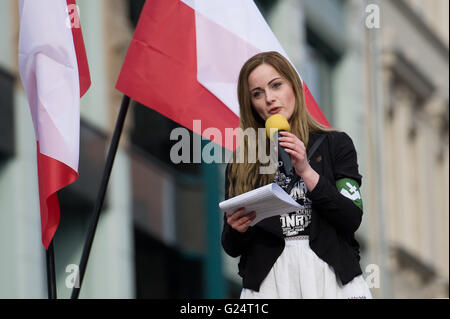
x: 239, y: 222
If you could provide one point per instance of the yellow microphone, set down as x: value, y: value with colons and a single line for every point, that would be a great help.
x: 275, y: 124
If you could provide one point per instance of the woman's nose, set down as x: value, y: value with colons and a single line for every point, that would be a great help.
x: 270, y: 97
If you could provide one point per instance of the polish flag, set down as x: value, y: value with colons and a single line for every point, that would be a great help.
x: 185, y: 57
x: 55, y: 74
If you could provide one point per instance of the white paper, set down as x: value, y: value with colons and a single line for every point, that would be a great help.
x: 267, y: 201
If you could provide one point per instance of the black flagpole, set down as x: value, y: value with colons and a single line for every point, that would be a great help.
x: 101, y: 194
x: 51, y: 278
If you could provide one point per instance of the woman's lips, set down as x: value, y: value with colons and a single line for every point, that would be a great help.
x: 275, y: 110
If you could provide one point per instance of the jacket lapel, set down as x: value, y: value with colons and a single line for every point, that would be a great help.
x: 316, y: 161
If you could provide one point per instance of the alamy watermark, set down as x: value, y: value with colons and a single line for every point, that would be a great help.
x: 73, y: 279
x: 373, y: 277
x: 212, y: 152
x: 373, y: 16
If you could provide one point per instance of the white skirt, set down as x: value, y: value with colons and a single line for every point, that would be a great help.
x: 299, y: 273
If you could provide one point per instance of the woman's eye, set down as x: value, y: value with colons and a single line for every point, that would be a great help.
x: 256, y: 94
x: 278, y: 84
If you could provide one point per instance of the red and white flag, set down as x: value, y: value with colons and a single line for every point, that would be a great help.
x: 55, y: 74
x: 185, y: 57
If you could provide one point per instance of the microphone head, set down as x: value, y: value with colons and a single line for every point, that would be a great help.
x: 277, y: 122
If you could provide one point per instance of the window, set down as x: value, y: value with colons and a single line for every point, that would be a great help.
x: 318, y: 73
x: 6, y: 115
x: 151, y: 134
x: 163, y: 272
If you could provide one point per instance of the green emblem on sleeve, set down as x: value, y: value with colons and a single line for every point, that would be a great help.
x: 350, y: 189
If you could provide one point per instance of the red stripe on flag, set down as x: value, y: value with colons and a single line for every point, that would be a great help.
x: 313, y: 108
x: 160, y: 69
x: 52, y: 176
x: 83, y: 67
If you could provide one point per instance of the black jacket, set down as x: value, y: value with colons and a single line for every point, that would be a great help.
x: 334, y: 220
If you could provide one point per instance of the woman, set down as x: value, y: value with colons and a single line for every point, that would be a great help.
x: 311, y: 253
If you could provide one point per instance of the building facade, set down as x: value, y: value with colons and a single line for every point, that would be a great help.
x: 414, y: 71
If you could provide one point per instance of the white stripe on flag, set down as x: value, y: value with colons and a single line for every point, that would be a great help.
x: 228, y: 34
x: 49, y: 72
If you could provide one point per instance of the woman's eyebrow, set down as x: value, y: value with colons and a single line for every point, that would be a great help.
x: 268, y: 83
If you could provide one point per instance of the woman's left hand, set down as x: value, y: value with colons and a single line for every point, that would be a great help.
x: 296, y: 149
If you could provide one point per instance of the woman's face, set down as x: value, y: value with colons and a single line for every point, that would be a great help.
x: 270, y: 92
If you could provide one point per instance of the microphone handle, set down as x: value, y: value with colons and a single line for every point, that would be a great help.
x: 285, y: 158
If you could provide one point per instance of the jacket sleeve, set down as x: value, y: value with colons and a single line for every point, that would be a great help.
x: 337, y: 209
x: 233, y: 242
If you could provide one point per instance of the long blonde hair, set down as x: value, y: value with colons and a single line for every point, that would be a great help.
x: 245, y: 176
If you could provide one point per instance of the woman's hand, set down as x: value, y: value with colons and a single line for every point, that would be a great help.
x: 239, y: 222
x: 296, y: 149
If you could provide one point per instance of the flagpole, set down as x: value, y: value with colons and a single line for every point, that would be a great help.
x: 101, y: 194
x: 51, y: 278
